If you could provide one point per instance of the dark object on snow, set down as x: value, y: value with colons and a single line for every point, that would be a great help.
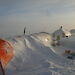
x: 24, y: 30
x: 61, y: 27
x: 67, y: 51
x: 70, y: 57
x: 67, y: 36
x: 73, y: 54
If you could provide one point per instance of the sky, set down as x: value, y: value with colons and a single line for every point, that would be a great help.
x: 36, y: 16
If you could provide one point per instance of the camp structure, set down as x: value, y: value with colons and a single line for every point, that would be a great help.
x: 60, y: 33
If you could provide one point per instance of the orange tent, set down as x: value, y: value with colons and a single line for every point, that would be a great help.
x: 6, y: 52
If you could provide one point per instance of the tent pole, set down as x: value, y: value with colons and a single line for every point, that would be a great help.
x: 2, y: 69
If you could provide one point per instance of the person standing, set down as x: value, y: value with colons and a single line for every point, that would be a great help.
x: 24, y: 30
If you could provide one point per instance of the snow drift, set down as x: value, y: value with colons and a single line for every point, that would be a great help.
x: 34, y: 55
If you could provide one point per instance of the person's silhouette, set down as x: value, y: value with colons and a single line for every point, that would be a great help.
x: 24, y: 30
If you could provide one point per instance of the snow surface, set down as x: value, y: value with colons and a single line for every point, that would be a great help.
x: 34, y: 55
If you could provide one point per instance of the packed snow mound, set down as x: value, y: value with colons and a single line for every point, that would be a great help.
x: 34, y: 55
x: 68, y: 42
x: 43, y: 37
x: 72, y: 31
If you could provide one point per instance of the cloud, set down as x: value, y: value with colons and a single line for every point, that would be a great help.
x: 36, y: 15
x: 36, y: 22
x: 18, y: 6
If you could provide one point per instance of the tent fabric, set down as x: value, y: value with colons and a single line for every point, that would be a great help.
x: 6, y: 52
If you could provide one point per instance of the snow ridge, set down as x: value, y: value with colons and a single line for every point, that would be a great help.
x: 34, y: 55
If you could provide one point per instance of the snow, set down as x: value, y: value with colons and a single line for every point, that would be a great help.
x: 34, y: 55
x: 72, y: 31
